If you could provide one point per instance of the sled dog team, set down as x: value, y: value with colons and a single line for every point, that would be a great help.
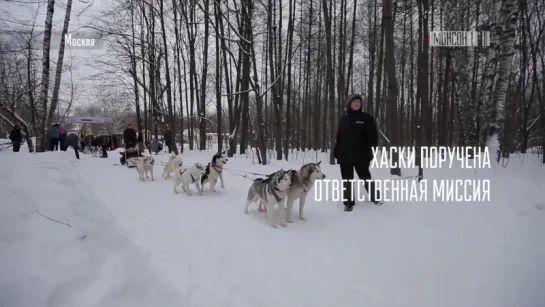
x: 284, y: 186
x: 196, y: 174
x: 279, y: 188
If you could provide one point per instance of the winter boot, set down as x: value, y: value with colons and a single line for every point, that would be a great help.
x: 348, y: 206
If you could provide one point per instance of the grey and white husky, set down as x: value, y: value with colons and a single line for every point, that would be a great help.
x: 214, y: 171
x: 302, y: 182
x: 270, y: 191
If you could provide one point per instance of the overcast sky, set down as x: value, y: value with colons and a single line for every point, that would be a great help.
x: 23, y: 15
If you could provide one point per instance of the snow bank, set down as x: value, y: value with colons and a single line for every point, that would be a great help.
x: 138, y: 244
x: 45, y: 263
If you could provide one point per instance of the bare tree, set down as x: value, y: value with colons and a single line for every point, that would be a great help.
x: 42, y: 110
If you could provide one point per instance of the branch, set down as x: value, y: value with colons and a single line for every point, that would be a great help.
x: 282, y: 72
x: 242, y: 38
x: 238, y: 93
x: 66, y: 224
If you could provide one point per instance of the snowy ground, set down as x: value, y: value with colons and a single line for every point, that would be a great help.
x: 137, y: 244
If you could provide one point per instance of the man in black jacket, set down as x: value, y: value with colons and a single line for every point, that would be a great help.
x: 72, y: 140
x: 16, y: 137
x: 357, y: 134
x: 129, y: 136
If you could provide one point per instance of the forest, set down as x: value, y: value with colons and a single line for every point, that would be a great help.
x: 273, y: 76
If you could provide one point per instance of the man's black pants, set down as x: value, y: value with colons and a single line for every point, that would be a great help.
x: 54, y: 144
x: 16, y: 146
x: 76, y: 151
x: 105, y: 151
x: 347, y: 173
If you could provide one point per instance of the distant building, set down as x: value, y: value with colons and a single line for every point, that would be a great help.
x: 211, y: 137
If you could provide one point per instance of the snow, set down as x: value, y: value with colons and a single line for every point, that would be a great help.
x: 136, y: 244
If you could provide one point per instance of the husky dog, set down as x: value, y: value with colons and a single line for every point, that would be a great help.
x: 173, y: 163
x: 95, y: 150
x: 189, y: 175
x: 270, y: 191
x: 302, y: 182
x: 214, y: 170
x: 290, y: 172
x: 145, y: 166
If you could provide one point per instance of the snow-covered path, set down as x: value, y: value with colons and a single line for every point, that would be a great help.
x: 146, y: 246
x: 91, y: 263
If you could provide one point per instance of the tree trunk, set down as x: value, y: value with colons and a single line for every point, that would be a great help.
x: 42, y: 129
x: 60, y: 60
x: 202, y: 109
x: 330, y: 80
x: 218, y: 82
x: 510, y: 16
x: 171, y: 116
x: 387, y: 20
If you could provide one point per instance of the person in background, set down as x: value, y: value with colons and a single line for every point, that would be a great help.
x: 129, y: 136
x: 81, y: 138
x: 54, y: 135
x: 140, y: 142
x: 113, y: 142
x: 62, y: 138
x: 168, y: 140
x: 72, y: 140
x: 16, y: 137
x: 94, y: 141
x: 154, y: 147
x: 357, y: 135
x: 105, y: 146
x: 89, y: 140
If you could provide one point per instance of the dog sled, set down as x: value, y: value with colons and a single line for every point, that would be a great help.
x: 130, y: 156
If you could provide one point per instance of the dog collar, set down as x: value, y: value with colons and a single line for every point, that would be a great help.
x: 218, y: 168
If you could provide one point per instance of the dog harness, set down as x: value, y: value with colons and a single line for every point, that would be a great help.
x: 218, y: 168
x: 303, y: 184
x: 192, y: 178
x: 273, y: 191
